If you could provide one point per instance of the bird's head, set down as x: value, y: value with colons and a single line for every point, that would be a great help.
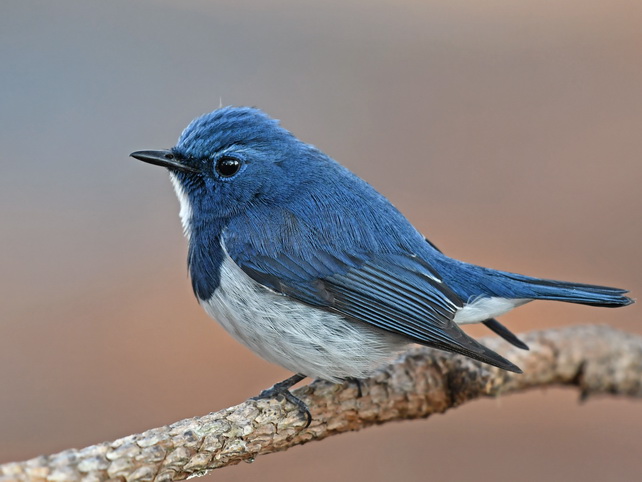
x: 230, y: 158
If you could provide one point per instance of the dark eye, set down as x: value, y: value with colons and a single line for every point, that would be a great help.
x: 228, y: 166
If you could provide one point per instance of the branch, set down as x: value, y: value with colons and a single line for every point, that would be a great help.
x: 596, y: 359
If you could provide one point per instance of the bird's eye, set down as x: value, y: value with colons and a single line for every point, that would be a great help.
x: 228, y: 166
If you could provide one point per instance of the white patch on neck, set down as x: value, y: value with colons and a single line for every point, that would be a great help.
x: 481, y: 309
x: 186, y: 208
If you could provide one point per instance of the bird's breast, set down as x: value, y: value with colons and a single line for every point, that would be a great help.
x: 296, y: 336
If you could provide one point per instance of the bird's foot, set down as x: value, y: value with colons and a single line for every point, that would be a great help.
x: 283, y: 389
x: 357, y: 382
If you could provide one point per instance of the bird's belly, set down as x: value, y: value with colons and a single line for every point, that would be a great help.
x: 299, y: 337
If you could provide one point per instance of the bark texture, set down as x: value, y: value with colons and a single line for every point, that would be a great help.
x: 595, y: 359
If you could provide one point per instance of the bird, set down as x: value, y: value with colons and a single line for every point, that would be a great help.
x: 311, y: 268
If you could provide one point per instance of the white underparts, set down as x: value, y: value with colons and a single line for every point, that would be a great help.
x: 294, y: 335
x: 482, y: 309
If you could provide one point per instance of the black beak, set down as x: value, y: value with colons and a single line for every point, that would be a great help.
x: 162, y: 158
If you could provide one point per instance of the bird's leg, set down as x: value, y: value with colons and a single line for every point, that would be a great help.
x: 357, y: 382
x: 283, y: 388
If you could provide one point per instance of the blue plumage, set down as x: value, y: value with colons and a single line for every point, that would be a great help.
x: 313, y: 269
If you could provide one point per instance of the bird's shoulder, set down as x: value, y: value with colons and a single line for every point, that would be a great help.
x: 342, y: 214
x: 297, y: 247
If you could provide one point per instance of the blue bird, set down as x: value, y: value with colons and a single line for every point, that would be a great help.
x: 312, y: 269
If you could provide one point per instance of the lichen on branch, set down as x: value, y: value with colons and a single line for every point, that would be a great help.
x: 595, y: 359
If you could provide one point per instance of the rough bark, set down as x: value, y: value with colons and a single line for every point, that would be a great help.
x: 595, y: 359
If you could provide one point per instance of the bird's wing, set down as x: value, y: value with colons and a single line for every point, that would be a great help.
x: 400, y: 293
x: 494, y: 325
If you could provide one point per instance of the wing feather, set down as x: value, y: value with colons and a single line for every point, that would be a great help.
x: 392, y: 292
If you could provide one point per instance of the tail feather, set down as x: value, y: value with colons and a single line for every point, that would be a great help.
x: 585, y: 294
x: 470, y: 281
x: 505, y: 333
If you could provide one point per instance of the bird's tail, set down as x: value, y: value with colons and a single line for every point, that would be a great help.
x: 521, y: 286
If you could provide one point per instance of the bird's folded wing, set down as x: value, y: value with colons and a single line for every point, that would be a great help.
x: 399, y: 293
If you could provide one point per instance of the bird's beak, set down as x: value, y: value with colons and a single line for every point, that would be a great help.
x: 162, y: 158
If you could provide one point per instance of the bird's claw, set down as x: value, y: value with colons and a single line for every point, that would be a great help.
x: 283, y: 389
x: 357, y: 382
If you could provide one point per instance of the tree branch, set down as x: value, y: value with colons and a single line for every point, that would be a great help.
x: 596, y: 359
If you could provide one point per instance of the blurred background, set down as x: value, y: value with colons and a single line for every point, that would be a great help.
x: 508, y: 132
